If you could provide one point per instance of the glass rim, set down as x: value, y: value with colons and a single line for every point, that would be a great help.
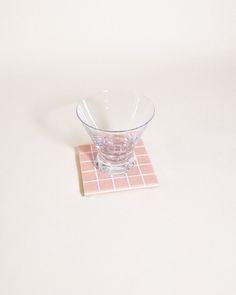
x: 121, y: 130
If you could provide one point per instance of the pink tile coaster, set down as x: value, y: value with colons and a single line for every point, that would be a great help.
x: 95, y: 181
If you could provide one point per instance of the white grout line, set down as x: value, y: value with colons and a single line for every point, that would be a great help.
x: 127, y: 177
x: 113, y: 183
x: 95, y: 170
x: 87, y: 171
x: 144, y: 183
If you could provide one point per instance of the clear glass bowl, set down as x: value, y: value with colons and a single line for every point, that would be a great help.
x: 115, y: 121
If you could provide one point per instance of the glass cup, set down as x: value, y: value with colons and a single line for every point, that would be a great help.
x: 115, y: 121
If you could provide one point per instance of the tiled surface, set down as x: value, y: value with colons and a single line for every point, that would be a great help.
x: 95, y: 181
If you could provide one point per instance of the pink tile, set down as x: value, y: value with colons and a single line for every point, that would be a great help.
x: 106, y: 184
x: 133, y: 171
x: 139, y: 143
x: 146, y: 169
x: 86, y: 157
x: 88, y: 176
x: 84, y: 148
x: 140, y: 150
x: 150, y: 179
x: 143, y: 159
x: 121, y: 183
x: 94, y: 155
x: 87, y: 166
x: 103, y: 175
x: 135, y: 181
x: 90, y: 187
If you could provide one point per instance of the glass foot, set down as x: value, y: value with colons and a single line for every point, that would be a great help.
x: 111, y: 168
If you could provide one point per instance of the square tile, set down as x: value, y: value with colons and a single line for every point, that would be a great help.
x: 86, y: 157
x: 134, y: 171
x: 102, y: 175
x: 90, y: 187
x: 84, y: 148
x: 85, y: 166
x: 146, y: 169
x: 140, y: 150
x: 121, y: 183
x: 150, y: 179
x: 106, y: 185
x: 144, y: 159
x: 136, y: 181
x: 89, y: 176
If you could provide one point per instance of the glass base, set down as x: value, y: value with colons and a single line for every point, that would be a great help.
x: 111, y: 168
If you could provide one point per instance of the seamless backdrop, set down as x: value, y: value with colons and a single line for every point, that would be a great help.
x: 177, y: 239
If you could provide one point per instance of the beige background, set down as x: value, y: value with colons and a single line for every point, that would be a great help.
x: 177, y: 239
